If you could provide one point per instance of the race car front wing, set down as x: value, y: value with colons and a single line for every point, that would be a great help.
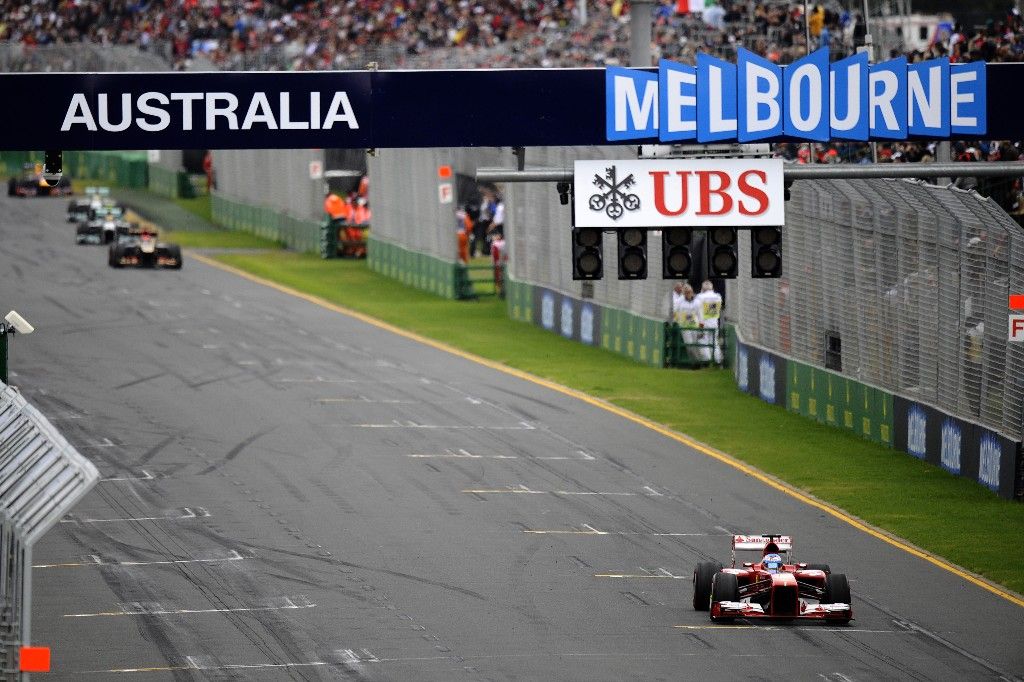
x: 744, y: 609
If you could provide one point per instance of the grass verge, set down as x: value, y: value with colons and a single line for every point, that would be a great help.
x: 201, y: 206
x: 219, y: 239
x: 949, y: 516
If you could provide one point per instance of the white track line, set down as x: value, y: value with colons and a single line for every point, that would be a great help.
x: 235, y: 556
x: 189, y: 513
x: 288, y: 606
x: 147, y: 476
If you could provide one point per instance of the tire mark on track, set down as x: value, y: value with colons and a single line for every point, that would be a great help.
x: 235, y: 451
x: 373, y: 569
x: 153, y: 451
x: 295, y: 491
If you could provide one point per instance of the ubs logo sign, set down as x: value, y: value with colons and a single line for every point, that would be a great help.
x: 951, y: 446
x: 613, y: 195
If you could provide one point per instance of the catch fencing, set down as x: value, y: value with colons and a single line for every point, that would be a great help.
x: 899, y: 285
x: 41, y: 478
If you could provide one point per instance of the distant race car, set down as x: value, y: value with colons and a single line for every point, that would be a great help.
x: 772, y: 588
x: 78, y: 209
x: 101, y: 223
x: 138, y: 247
x: 31, y: 184
x: 93, y: 197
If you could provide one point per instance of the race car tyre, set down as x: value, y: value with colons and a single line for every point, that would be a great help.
x: 116, y: 252
x: 12, y: 185
x: 725, y: 587
x: 819, y: 567
x: 175, y: 252
x: 837, y: 589
x: 703, y: 576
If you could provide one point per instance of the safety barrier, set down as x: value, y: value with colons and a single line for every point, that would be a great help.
x: 412, y: 268
x: 696, y: 347
x: 295, y: 233
x: 41, y: 478
x: 958, y: 446
x: 169, y: 183
x: 620, y: 331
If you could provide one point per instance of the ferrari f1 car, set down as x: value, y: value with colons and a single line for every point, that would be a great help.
x: 138, y: 247
x: 774, y: 587
x: 101, y: 224
x: 31, y: 184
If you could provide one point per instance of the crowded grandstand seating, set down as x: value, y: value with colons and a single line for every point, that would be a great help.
x: 233, y: 34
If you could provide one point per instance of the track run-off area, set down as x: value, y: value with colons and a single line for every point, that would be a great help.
x: 290, y: 492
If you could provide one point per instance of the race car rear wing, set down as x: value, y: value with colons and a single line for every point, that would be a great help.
x: 759, y: 542
x: 782, y: 543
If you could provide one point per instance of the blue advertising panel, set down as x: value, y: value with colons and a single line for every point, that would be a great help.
x: 807, y: 97
x: 968, y: 88
x: 848, y: 95
x: 716, y: 99
x: 759, y: 86
x: 677, y: 113
x: 632, y: 110
x: 928, y: 110
x: 887, y: 99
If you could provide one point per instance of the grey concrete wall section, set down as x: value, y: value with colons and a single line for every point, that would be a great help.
x: 170, y: 159
x: 277, y: 179
x: 404, y: 196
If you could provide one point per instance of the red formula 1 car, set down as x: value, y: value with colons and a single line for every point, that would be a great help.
x: 774, y: 587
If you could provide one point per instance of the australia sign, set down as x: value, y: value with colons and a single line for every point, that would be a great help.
x: 811, y: 99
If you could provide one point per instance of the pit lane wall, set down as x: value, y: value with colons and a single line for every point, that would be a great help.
x: 298, y: 234
x: 922, y: 431
x: 412, y: 268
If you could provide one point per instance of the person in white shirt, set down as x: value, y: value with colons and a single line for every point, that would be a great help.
x: 686, y: 312
x: 710, y: 302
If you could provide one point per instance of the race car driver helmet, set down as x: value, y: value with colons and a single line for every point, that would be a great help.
x: 772, y: 563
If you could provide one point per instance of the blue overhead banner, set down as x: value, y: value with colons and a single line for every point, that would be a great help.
x: 713, y: 101
x: 809, y: 100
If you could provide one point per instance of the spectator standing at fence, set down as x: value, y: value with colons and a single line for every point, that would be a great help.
x: 498, y: 220
x: 499, y: 258
x: 711, y: 311
x: 677, y: 297
x: 687, y: 315
x: 208, y: 169
x: 482, y: 225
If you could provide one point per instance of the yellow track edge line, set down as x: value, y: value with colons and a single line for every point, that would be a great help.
x: 729, y: 460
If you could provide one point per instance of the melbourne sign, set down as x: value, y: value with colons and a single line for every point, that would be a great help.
x: 811, y: 99
x: 679, y: 192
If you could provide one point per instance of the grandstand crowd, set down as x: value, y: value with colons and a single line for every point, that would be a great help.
x: 330, y: 34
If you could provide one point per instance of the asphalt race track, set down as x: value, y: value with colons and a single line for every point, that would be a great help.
x: 289, y: 493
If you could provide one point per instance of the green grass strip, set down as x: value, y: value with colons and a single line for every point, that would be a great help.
x: 949, y: 516
x: 219, y: 239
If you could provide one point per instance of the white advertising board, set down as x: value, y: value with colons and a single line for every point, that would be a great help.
x: 660, y: 193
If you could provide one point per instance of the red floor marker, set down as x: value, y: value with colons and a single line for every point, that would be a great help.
x: 35, y: 659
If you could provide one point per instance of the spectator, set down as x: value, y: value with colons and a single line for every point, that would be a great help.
x: 710, y: 302
x: 687, y: 314
x: 482, y: 225
x: 498, y: 219
x: 499, y: 259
